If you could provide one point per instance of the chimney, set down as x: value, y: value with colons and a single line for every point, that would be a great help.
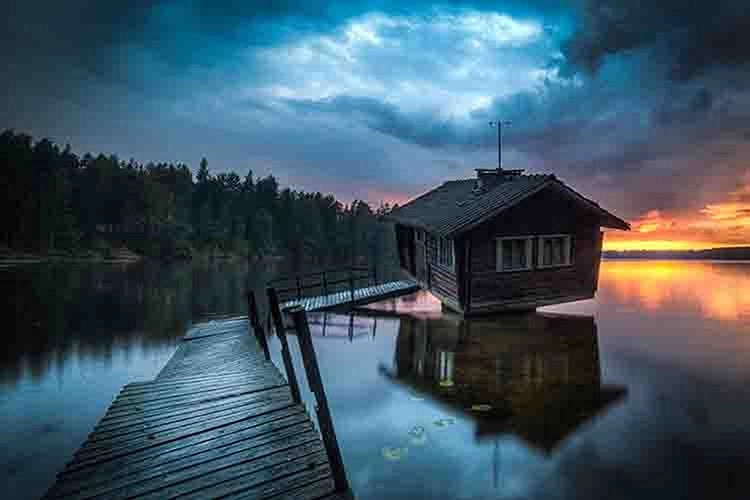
x: 488, y: 178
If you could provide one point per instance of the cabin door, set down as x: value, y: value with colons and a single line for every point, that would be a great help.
x: 420, y: 254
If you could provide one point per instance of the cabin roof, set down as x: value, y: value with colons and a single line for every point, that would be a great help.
x: 455, y: 207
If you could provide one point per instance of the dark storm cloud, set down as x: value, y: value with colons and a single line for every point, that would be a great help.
x: 425, y: 129
x: 649, y: 98
x: 627, y: 103
x: 691, y: 37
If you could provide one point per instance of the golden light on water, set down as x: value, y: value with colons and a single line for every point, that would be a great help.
x: 718, y: 291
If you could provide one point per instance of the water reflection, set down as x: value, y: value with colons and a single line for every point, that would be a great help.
x: 535, y: 375
x: 59, y: 313
x: 469, y: 408
x: 718, y: 290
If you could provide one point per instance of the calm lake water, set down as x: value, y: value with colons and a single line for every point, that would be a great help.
x: 640, y: 393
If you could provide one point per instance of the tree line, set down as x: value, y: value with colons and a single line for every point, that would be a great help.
x: 55, y: 200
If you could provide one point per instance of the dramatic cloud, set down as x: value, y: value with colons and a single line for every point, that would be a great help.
x: 644, y: 109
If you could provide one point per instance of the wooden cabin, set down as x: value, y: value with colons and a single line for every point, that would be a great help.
x: 536, y: 376
x: 503, y: 241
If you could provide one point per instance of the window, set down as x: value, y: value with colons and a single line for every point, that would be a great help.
x: 513, y: 254
x: 445, y: 252
x: 445, y: 368
x: 554, y: 251
x: 419, y: 234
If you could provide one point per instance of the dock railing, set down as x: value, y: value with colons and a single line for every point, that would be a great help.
x: 315, y: 382
x: 323, y: 282
x: 300, y: 326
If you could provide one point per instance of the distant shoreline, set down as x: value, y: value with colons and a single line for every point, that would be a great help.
x: 117, y: 256
x: 19, y: 258
x: 723, y: 254
x: 682, y: 259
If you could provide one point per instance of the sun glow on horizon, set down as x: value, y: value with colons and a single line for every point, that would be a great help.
x: 716, y: 225
x: 661, y: 245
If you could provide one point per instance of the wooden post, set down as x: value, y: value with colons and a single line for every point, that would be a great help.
x: 325, y: 284
x: 278, y: 321
x: 351, y: 327
x: 351, y: 284
x: 299, y: 288
x: 374, y: 273
x: 255, y: 324
x: 467, y: 276
x: 321, y: 408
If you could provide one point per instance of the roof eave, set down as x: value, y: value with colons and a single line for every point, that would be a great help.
x: 613, y: 222
x: 405, y: 221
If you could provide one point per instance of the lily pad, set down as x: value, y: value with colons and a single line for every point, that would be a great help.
x: 444, y: 422
x: 417, y: 436
x: 394, y: 454
x: 417, y: 430
x: 481, y: 407
x: 415, y: 397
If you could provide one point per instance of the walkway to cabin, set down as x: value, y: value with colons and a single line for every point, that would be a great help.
x: 218, y: 421
x: 358, y: 297
x: 337, y: 288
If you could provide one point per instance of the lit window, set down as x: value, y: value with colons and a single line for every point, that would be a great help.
x: 445, y: 252
x: 513, y: 254
x: 554, y: 251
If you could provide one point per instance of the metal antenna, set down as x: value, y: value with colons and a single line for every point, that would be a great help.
x: 499, y: 124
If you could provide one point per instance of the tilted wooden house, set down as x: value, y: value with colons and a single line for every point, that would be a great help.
x: 503, y: 241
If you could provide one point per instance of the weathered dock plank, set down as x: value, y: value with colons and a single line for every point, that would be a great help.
x: 361, y: 296
x: 141, y: 480
x: 219, y: 420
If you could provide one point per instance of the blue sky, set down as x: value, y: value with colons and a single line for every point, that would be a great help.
x: 643, y: 108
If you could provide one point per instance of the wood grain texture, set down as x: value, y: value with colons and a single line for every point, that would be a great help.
x: 545, y: 213
x: 219, y: 420
x: 362, y: 296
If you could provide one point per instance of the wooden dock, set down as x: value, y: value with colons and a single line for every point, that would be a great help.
x: 356, y: 297
x: 218, y: 421
x: 336, y: 288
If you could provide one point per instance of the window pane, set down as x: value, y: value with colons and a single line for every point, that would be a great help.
x: 547, y: 253
x: 554, y: 251
x: 557, y: 244
x: 520, y: 251
x: 507, y: 254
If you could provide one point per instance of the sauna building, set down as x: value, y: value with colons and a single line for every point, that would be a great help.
x: 503, y: 241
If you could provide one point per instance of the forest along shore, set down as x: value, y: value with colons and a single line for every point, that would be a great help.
x: 110, y: 255
x: 56, y: 205
x: 117, y: 255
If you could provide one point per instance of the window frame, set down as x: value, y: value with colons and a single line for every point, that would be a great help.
x: 449, y: 244
x: 567, y: 250
x: 499, y: 254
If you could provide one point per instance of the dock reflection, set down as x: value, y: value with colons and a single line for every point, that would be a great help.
x: 536, y: 375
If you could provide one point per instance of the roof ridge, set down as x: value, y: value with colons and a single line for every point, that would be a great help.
x: 453, y: 206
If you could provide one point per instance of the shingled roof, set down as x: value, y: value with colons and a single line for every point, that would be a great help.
x: 455, y: 207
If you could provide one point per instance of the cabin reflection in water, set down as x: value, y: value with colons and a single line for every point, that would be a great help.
x: 534, y: 375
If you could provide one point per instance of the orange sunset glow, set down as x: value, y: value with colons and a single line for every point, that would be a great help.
x: 716, y: 225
